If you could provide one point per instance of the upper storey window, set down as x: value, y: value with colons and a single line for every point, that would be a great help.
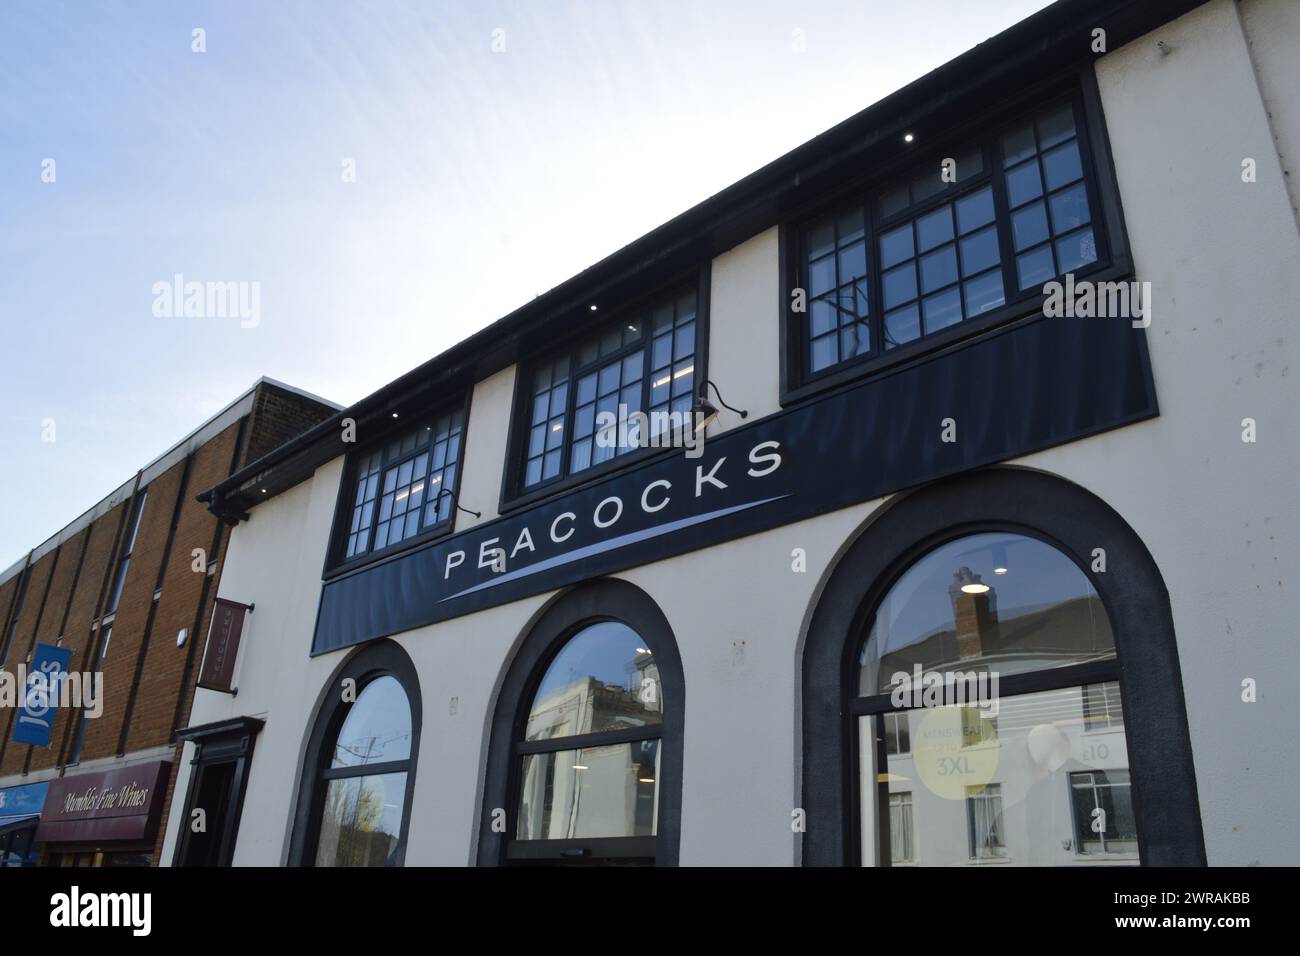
x: 643, y: 361
x: 397, y: 488
x: 970, y: 233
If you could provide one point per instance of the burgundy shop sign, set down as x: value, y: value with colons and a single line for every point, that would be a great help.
x: 120, y: 804
x: 218, y: 671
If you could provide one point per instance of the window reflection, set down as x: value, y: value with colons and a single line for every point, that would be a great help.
x: 362, y: 821
x: 377, y: 728
x: 589, y: 764
x: 361, y: 810
x: 1041, y: 785
x: 604, y: 679
x: 993, y: 777
x: 593, y: 792
x: 990, y: 602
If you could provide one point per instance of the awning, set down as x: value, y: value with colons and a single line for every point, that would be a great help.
x: 12, y: 823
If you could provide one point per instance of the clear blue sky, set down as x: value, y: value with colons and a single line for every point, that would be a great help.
x: 482, y: 179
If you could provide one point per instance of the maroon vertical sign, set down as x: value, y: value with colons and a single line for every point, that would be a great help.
x: 223, y: 645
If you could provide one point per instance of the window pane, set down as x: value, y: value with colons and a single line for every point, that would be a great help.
x: 988, y: 602
x: 1021, y: 787
x: 853, y: 262
x: 824, y: 352
x: 942, y: 310
x: 377, y: 728
x: 902, y: 326
x: 1035, y: 268
x: 896, y: 246
x: 1029, y: 226
x: 1024, y: 183
x: 939, y: 269
x: 821, y: 239
x: 362, y: 821
x: 821, y: 317
x: 1018, y: 144
x: 1076, y: 250
x: 1104, y: 824
x: 594, y: 792
x: 979, y: 251
x: 983, y: 293
x: 821, y: 276
x: 900, y: 285
x: 604, y: 678
x: 1061, y: 165
x: 685, y: 346
x: 934, y: 228
x: 855, y: 340
x: 975, y: 210
x: 1069, y: 209
x: 1055, y: 125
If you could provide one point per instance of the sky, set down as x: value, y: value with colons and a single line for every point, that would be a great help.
x: 389, y: 176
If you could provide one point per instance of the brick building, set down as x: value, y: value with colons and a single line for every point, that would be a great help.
x: 129, y: 588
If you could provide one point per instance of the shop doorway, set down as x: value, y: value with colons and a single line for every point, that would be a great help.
x: 210, y: 823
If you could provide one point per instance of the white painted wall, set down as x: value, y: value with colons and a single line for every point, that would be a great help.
x: 744, y: 328
x: 485, y: 447
x: 1218, y: 515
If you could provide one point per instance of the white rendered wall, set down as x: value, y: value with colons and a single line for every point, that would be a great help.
x: 1218, y: 515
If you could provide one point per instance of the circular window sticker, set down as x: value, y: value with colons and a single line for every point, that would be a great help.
x: 955, y: 749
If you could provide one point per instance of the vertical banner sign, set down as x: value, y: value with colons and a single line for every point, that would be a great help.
x: 40, y: 701
x: 218, y: 671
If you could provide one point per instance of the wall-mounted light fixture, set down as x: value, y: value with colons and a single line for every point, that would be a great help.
x: 448, y: 491
x: 705, y: 411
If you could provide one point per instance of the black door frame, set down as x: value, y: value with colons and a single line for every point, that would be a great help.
x: 220, y: 743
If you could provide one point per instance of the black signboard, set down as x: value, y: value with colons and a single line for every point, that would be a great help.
x: 1023, y: 389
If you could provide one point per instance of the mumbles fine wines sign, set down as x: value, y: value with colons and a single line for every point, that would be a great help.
x: 1020, y: 390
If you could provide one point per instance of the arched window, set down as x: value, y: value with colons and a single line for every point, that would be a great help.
x: 585, y: 760
x: 354, y: 806
x: 989, y: 716
x: 589, y: 758
x: 1079, y: 754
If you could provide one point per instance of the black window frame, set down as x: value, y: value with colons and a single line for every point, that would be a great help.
x: 336, y: 561
x: 1165, y: 801
x: 514, y: 493
x: 604, y: 599
x: 1114, y: 261
x: 383, y: 658
x: 879, y: 707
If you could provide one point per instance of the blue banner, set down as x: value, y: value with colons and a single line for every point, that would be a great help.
x: 19, y: 802
x: 39, y: 706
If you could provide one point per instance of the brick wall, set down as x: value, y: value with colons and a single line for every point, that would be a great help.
x: 148, y: 681
x: 279, y: 415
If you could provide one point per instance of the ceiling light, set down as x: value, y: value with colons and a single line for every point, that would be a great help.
x: 645, y: 780
x: 907, y: 137
x: 394, y: 414
x: 999, y: 570
x: 580, y: 766
x: 593, y: 307
x: 974, y: 588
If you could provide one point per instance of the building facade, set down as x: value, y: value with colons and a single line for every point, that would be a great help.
x: 986, y: 557
x: 128, y: 588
